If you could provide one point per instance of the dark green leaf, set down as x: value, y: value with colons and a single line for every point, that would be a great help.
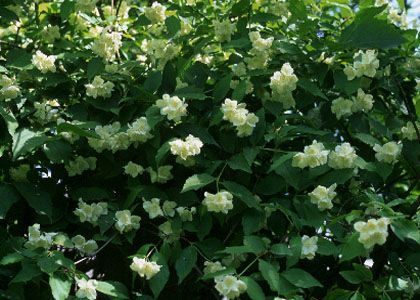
x: 300, y: 278
x: 197, y: 181
x: 185, y: 262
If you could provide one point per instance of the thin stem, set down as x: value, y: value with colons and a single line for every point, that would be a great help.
x: 220, y: 175
x: 251, y: 263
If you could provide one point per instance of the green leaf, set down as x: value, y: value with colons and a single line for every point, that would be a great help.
x: 254, y: 243
x: 153, y: 81
x: 185, y: 262
x: 367, y: 31
x: 240, y: 91
x: 222, y: 87
x: 162, y: 152
x: 158, y: 282
x: 239, y: 162
x: 242, y: 193
x: 190, y: 92
x: 6, y: 15
x: 79, y: 129
x: 352, y: 248
x: 197, y: 181
x: 25, y: 141
x: 406, y: 229
x: 281, y: 250
x: 173, y: 24
x: 66, y: 8
x: 226, y: 271
x: 357, y: 296
x: 113, y: 288
x: 254, y: 290
x: 11, y: 258
x: 301, y: 278
x: 38, y: 199
x: 10, y: 120
x: 18, y: 58
x: 353, y: 277
x: 60, y: 284
x: 95, y: 67
x: 311, y: 87
x: 270, y: 274
x: 28, y: 272
x: 326, y: 247
x: 58, y: 151
x: 8, y: 197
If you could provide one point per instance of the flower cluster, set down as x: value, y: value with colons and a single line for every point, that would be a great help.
x: 99, y: 88
x: 44, y: 63
x: 8, y: 88
x: 38, y: 239
x: 388, y: 152
x: 107, y: 44
x: 133, y: 169
x: 186, y: 214
x: 239, y: 116
x: 342, y: 107
x: 160, y: 50
x: 365, y: 64
x: 86, y: 289
x: 80, y: 164
x: 50, y: 33
x: 86, y: 6
x: 260, y: 52
x: 229, y: 286
x: 161, y: 175
x: 409, y: 131
x: 373, y: 232
x: 312, y: 156
x: 91, y: 213
x: 155, y: 13
x: 112, y: 138
x: 343, y: 157
x: 282, y: 84
x: 126, y: 222
x: 184, y: 149
x: 212, y: 267
x: 309, y: 247
x: 153, y: 208
x: 46, y: 111
x: 219, y: 202
x: 144, y: 267
x: 322, y: 196
x: 172, y: 107
x: 84, y: 246
x: 223, y: 30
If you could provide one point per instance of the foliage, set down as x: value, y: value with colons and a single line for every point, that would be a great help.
x: 200, y: 149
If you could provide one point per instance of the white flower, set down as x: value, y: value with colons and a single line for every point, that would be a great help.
x: 322, y: 196
x: 153, y: 208
x: 282, y: 83
x: 366, y: 63
x: 86, y: 289
x: 86, y: 6
x: 9, y: 88
x: 260, y: 52
x: 38, y: 239
x: 230, y: 286
x: 223, y: 30
x: 309, y: 247
x: 341, y: 107
x: 212, y: 267
x: 126, y: 222
x: 239, y: 69
x: 162, y: 175
x: 219, y: 202
x: 239, y: 116
x: 350, y: 72
x: 79, y: 165
x: 388, y: 153
x: 107, y: 44
x: 139, y: 130
x: 184, y: 149
x: 168, y: 208
x: 85, y: 247
x: 44, y: 63
x: 91, y: 213
x: 155, y: 13
x: 409, y: 132
x: 373, y: 232
x: 99, y: 87
x: 342, y: 157
x: 312, y: 156
x: 50, y: 33
x: 133, y: 169
x: 186, y: 214
x: 362, y: 102
x: 172, y: 107
x: 145, y: 268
